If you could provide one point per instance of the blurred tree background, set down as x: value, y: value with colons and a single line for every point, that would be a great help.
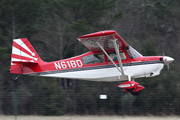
x: 52, y: 26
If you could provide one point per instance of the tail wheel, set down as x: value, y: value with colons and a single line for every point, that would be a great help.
x: 15, y: 80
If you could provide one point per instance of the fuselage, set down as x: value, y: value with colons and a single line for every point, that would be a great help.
x: 95, y: 66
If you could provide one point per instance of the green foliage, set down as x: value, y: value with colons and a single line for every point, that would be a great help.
x: 149, y: 48
x: 118, y: 15
x: 80, y: 26
x: 52, y: 25
x: 51, y: 97
x: 86, y: 13
x: 16, y: 23
x: 87, y: 97
x: 160, y: 10
x: 4, y: 54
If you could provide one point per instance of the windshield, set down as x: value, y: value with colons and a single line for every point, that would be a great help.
x: 133, y: 53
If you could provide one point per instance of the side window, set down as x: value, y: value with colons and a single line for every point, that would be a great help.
x: 96, y: 58
x: 122, y: 55
x: 114, y: 56
x: 100, y: 57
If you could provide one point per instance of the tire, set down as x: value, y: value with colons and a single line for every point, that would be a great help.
x: 130, y: 90
x: 135, y: 93
x: 15, y: 80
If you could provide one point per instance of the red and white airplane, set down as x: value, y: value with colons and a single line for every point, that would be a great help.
x: 110, y: 58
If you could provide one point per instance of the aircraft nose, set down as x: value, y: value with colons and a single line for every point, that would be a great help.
x: 167, y: 60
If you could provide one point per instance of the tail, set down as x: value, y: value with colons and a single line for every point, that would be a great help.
x: 24, y: 59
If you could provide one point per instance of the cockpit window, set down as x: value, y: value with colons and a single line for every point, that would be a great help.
x: 114, y: 56
x: 96, y: 58
x: 132, y: 53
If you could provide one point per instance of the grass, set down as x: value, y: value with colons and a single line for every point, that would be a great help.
x: 2, y: 117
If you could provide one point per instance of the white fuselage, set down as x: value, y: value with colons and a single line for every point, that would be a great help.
x: 111, y: 73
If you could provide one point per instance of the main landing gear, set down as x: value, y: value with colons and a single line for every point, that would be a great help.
x: 131, y: 86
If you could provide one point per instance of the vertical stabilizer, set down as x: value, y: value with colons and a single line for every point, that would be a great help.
x: 23, y: 55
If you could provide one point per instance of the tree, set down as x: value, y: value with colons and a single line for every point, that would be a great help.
x: 151, y: 27
x: 63, y: 21
x: 13, y: 24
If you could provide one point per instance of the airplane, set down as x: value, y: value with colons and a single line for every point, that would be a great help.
x: 110, y: 59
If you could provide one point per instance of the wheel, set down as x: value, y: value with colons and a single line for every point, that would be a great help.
x: 129, y: 90
x: 135, y: 93
x: 15, y: 80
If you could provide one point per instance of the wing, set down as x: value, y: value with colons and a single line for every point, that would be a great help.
x: 104, y: 41
x: 104, y: 38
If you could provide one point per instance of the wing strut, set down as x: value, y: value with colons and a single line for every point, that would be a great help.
x: 118, y: 56
x: 108, y: 56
